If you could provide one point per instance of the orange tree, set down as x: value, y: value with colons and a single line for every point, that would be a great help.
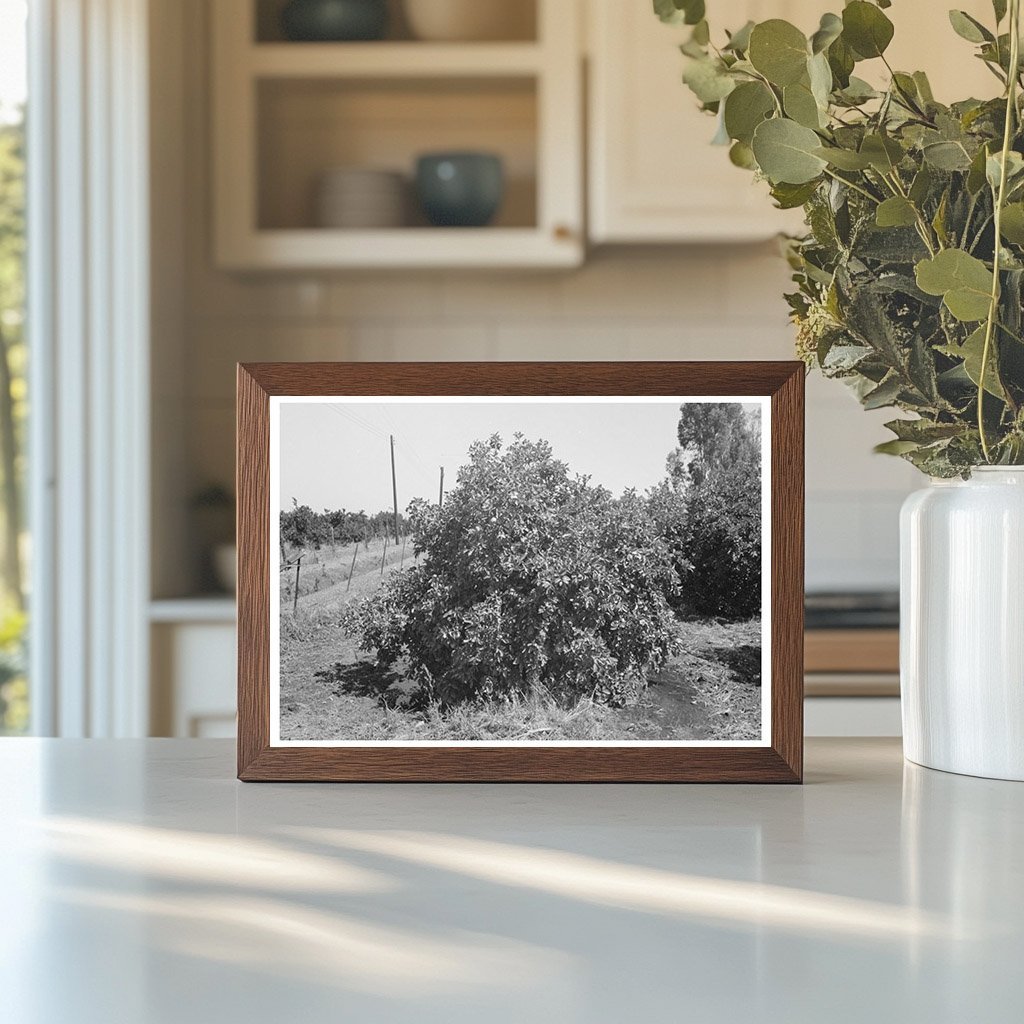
x: 533, y: 579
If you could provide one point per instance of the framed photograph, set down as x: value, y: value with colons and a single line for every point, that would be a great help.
x: 513, y: 572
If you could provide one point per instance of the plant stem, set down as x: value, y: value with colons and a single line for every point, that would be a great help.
x: 856, y: 188
x: 1000, y: 199
x: 923, y: 228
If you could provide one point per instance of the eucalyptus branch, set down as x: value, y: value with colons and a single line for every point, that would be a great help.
x: 1000, y: 200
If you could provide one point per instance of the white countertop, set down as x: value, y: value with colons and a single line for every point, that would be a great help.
x: 143, y: 885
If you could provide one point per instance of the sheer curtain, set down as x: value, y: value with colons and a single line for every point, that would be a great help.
x: 88, y: 300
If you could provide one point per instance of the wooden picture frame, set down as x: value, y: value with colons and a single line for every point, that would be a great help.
x: 778, y: 758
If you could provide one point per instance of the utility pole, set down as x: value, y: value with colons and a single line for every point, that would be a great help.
x: 394, y: 485
x: 440, y: 493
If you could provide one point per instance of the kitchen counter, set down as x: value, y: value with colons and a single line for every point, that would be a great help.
x: 143, y: 885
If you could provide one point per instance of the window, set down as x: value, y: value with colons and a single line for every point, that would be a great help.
x: 14, y: 548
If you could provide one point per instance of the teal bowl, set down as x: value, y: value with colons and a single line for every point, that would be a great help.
x: 460, y: 190
x: 334, y: 21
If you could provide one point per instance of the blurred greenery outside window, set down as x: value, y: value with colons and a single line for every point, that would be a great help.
x: 14, y: 690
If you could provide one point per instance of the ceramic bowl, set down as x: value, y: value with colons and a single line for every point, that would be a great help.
x: 359, y: 197
x: 470, y: 20
x: 334, y: 20
x: 460, y: 189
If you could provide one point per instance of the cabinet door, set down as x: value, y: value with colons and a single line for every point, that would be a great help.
x: 654, y: 177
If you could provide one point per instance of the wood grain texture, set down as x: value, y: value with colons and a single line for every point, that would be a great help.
x: 852, y: 650
x: 783, y: 382
x: 252, y: 487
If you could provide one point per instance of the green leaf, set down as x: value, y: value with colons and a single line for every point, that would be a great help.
x: 939, y: 220
x: 1012, y: 226
x: 708, y: 80
x: 882, y: 153
x: 976, y: 173
x: 885, y: 394
x: 844, y: 159
x: 739, y: 41
x: 896, y: 447
x: 675, y: 12
x: 999, y: 7
x: 1014, y: 169
x: 923, y: 431
x: 746, y: 107
x: 741, y: 155
x: 921, y: 185
x: 896, y: 212
x: 866, y: 29
x: 971, y: 352
x: 946, y: 156
x: 789, y: 197
x: 963, y: 281
x: 779, y: 51
x: 924, y: 87
x: 830, y: 29
x: 800, y: 105
x: 785, y: 152
x: 820, y: 76
x: 841, y: 60
x: 969, y: 28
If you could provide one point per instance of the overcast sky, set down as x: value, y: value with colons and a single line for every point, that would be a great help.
x: 335, y: 454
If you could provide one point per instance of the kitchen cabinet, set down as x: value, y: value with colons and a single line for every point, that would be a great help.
x: 653, y: 175
x: 192, y: 647
x: 286, y: 113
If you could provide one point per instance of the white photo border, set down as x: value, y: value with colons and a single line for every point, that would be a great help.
x: 277, y: 401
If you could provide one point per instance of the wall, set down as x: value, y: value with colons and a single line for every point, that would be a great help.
x: 665, y: 303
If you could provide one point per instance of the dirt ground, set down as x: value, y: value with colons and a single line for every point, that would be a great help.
x: 331, y: 691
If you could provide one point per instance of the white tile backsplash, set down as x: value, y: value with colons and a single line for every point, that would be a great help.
x: 704, y: 303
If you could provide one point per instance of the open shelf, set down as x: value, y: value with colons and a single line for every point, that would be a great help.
x: 308, y: 127
x: 286, y: 114
x: 393, y: 60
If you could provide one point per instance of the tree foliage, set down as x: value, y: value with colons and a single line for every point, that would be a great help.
x: 708, y: 512
x: 301, y: 527
x: 532, y: 579
x: 714, y: 436
x: 910, y: 278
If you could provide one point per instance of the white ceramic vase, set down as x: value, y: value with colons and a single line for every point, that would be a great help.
x: 962, y: 624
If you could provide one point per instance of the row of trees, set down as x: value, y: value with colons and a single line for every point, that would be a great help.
x: 536, y: 578
x: 301, y: 527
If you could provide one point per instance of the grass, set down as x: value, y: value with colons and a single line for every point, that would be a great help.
x: 331, y: 690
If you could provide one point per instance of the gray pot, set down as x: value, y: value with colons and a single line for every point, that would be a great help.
x: 334, y: 20
x: 460, y: 189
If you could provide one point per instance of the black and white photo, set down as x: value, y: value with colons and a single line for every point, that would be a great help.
x: 530, y: 570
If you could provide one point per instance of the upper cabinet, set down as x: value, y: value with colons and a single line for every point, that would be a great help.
x: 316, y: 143
x: 653, y: 174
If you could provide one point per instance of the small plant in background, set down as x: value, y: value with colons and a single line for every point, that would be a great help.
x: 910, y: 279
x: 534, y: 581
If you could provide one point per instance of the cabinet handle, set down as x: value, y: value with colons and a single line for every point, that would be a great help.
x: 563, y: 232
